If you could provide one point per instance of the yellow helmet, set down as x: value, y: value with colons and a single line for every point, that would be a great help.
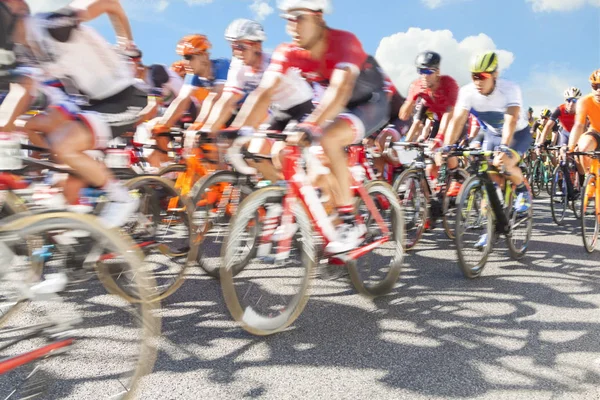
x: 545, y: 113
x: 484, y: 62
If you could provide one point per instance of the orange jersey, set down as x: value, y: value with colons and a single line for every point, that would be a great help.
x: 588, y: 108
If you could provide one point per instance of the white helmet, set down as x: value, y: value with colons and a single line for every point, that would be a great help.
x: 314, y: 5
x: 245, y: 29
x: 572, y: 93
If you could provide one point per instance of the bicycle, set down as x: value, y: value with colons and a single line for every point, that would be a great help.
x: 541, y: 171
x: 566, y: 188
x: 50, y: 328
x: 590, y: 206
x: 294, y: 229
x: 158, y: 230
x: 419, y: 197
x: 485, y: 209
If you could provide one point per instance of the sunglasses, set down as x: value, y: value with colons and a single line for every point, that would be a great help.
x: 426, y: 71
x: 595, y: 86
x: 294, y: 16
x: 571, y: 100
x: 240, y: 46
x: 188, y: 57
x: 481, y: 76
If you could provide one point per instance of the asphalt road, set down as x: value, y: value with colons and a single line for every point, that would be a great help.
x: 527, y: 329
x: 523, y: 330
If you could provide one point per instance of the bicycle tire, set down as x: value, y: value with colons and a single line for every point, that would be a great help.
x: 449, y: 218
x: 203, y: 228
x: 148, y: 323
x: 471, y: 187
x: 588, y: 213
x: 535, y: 179
x: 416, y: 225
x: 248, y: 317
x: 175, y: 277
x: 558, y: 215
x: 383, y: 286
x: 515, y: 221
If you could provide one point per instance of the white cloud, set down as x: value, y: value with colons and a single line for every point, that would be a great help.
x: 162, y: 5
x: 561, y: 5
x: 261, y: 9
x: 545, y: 86
x: 397, y: 53
x: 439, y: 3
x: 47, y: 5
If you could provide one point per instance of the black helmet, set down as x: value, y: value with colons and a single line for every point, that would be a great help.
x: 7, y: 24
x: 428, y: 59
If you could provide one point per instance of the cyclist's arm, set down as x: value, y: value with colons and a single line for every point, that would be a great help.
x: 547, y: 129
x: 150, y: 110
x: 208, y: 103
x: 511, y: 117
x: 336, y: 96
x: 16, y: 103
x: 579, y: 127
x: 407, y: 109
x: 257, y: 104
x: 444, y: 123
x: 222, y: 111
x: 178, y: 107
x: 415, y: 130
x: 92, y: 9
x: 456, y: 126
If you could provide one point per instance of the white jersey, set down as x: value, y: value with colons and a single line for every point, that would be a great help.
x: 292, y: 91
x: 490, y: 110
x: 82, y: 60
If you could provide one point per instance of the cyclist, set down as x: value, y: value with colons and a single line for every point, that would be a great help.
x: 104, y: 102
x: 353, y: 103
x: 544, y: 136
x: 588, y: 109
x: 565, y: 115
x: 497, y: 104
x: 202, y: 87
x: 530, y: 116
x: 437, y: 94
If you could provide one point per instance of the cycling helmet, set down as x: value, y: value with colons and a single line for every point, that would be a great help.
x: 572, y: 93
x: 545, y: 113
x: 193, y: 44
x: 595, y: 76
x: 179, y: 67
x: 313, y: 5
x: 245, y: 29
x: 530, y: 109
x: 484, y: 62
x: 428, y: 59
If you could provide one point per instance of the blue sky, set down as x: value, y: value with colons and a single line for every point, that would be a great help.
x: 553, y: 42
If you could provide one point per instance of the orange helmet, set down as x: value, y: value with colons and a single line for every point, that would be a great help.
x: 193, y: 44
x: 595, y: 77
x: 180, y: 68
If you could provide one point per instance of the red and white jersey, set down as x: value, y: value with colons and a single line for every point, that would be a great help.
x: 344, y: 50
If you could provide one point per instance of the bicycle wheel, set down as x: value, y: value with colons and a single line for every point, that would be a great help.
x: 271, y: 290
x: 576, y: 203
x: 216, y: 197
x: 536, y: 179
x: 474, y: 218
x: 377, y: 272
x: 449, y: 202
x: 589, y: 217
x: 164, y: 234
x: 411, y: 194
x: 548, y: 174
x: 521, y: 227
x: 558, y: 195
x: 115, y: 341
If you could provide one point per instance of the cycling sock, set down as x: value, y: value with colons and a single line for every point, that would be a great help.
x: 116, y: 191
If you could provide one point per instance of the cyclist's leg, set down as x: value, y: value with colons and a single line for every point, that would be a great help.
x: 350, y: 127
x: 590, y: 141
x: 518, y: 147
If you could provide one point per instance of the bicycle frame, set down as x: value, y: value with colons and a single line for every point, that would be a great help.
x: 594, y: 170
x: 480, y: 168
x: 301, y: 190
